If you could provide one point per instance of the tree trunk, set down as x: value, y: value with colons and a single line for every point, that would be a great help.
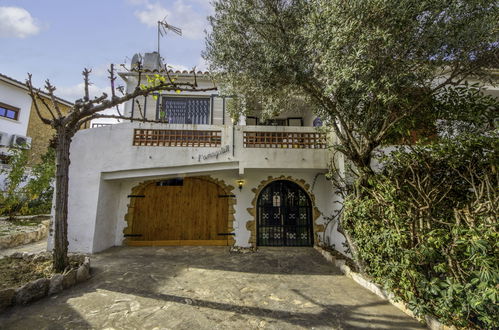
x: 60, y: 254
x: 351, y: 245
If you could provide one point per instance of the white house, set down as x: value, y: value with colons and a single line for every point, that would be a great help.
x: 20, y: 126
x: 199, y: 179
x: 15, y: 108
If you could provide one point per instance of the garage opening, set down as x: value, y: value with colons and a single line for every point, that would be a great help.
x: 284, y: 215
x: 188, y: 211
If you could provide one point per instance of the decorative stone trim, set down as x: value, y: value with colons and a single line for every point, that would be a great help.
x: 251, y: 224
x: 22, y: 238
x: 430, y: 320
x: 43, y: 287
x: 228, y: 190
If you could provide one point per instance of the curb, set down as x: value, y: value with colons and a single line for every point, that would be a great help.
x: 43, y: 287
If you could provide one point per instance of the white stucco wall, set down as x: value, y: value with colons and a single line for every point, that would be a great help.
x: 105, y: 167
x: 18, y: 98
x: 325, y: 200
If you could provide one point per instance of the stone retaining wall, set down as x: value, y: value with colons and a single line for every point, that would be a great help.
x: 38, y: 233
x: 430, y: 321
x: 43, y: 287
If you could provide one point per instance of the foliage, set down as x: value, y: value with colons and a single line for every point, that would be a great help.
x: 364, y: 66
x: 453, y: 111
x: 28, y: 190
x: 39, y: 189
x: 427, y: 229
x: 12, y: 198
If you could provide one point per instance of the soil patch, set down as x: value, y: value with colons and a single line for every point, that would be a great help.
x: 17, y: 271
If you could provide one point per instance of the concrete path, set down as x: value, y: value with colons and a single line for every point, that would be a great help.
x: 36, y: 247
x: 210, y: 288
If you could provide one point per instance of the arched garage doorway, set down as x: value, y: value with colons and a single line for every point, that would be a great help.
x: 189, y: 211
x: 284, y: 215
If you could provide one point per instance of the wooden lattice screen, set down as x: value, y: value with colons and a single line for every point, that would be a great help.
x: 176, y: 138
x: 284, y: 140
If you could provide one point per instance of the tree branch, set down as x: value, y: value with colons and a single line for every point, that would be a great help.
x: 86, y: 80
x: 50, y: 88
x: 32, y: 95
x: 96, y: 116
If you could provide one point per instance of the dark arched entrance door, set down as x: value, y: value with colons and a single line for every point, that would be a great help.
x: 284, y: 215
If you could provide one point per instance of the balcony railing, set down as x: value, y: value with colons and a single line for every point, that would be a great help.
x: 176, y: 138
x: 299, y: 140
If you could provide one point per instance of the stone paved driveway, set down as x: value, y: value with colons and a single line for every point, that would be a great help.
x: 210, y: 288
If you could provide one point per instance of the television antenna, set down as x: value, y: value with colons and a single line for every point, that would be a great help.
x: 163, y: 28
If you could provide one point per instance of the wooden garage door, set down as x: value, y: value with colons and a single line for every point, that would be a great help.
x: 189, y: 212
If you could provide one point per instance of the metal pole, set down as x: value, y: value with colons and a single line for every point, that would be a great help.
x: 158, y: 39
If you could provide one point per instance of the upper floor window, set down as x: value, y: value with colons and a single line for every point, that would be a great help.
x: 185, y: 110
x: 291, y: 121
x: 8, y: 111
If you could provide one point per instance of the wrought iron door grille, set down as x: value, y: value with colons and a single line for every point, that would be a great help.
x: 284, y: 215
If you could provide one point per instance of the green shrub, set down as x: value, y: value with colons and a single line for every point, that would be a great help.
x: 28, y: 190
x: 427, y: 229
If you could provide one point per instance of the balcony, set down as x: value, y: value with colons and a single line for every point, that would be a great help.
x: 176, y: 138
x: 155, y: 149
x: 252, y: 137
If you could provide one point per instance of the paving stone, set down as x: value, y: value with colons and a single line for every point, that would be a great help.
x: 211, y: 288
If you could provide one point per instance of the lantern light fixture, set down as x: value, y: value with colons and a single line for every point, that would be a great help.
x: 240, y: 184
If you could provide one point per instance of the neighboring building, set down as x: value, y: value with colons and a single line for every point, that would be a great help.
x: 199, y: 179
x: 19, y: 123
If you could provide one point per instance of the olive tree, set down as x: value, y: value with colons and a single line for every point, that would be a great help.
x: 368, y: 68
x: 66, y: 124
x: 365, y: 66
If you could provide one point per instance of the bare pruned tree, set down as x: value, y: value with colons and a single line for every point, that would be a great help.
x: 83, y: 111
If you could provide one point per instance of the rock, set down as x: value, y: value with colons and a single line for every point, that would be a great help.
x: 69, y: 279
x: 86, y: 261
x: 240, y: 249
x: 28, y: 255
x: 82, y: 274
x: 32, y: 291
x: 6, y: 298
x: 40, y: 257
x: 4, y: 242
x: 17, y: 255
x: 56, y: 284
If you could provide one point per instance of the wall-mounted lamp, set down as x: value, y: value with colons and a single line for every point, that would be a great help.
x: 240, y: 184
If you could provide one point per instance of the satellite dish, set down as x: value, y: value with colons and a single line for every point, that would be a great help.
x: 135, y: 61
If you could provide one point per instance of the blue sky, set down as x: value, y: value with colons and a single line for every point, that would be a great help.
x: 56, y: 39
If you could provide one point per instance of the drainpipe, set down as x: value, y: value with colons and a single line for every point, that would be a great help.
x: 233, y: 139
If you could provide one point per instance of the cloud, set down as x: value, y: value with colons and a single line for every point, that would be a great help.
x: 202, y: 65
x: 75, y: 92
x: 17, y: 22
x: 181, y: 14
